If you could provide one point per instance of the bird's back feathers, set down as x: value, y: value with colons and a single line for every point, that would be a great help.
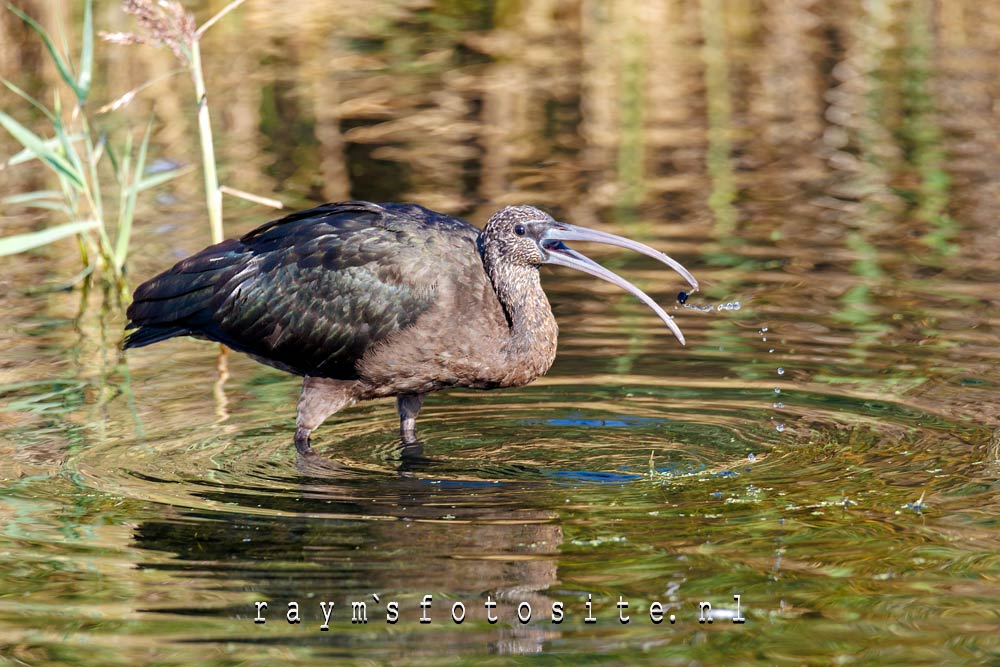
x: 312, y: 292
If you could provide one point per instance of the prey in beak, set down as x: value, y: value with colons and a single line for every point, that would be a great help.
x: 550, y: 237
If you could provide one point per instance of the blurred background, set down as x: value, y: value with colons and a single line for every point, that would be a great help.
x: 876, y: 119
x: 827, y: 443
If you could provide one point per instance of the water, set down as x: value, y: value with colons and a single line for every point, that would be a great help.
x: 828, y: 175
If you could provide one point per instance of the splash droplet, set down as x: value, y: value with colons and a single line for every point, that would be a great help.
x: 682, y: 297
x: 781, y: 371
x: 779, y: 427
x: 751, y: 458
x: 777, y: 390
x: 778, y: 405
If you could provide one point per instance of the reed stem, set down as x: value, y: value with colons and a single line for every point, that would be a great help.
x: 213, y: 194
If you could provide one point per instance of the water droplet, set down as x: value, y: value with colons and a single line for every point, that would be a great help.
x: 779, y: 427
x: 777, y: 390
x: 751, y: 458
x: 778, y: 405
x: 763, y: 330
x: 770, y: 351
x: 682, y: 297
x: 781, y: 371
x: 764, y: 339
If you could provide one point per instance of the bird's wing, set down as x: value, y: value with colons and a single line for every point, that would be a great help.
x: 309, y: 293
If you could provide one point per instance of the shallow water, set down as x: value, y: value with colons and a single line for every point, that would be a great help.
x: 828, y: 449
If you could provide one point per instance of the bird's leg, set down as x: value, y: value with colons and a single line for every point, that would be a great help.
x: 408, y: 406
x: 320, y: 398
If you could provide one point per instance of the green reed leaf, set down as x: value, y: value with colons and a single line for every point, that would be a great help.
x: 41, y: 150
x: 21, y: 242
x: 64, y: 70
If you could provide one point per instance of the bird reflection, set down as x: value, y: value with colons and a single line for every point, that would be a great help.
x: 398, y: 535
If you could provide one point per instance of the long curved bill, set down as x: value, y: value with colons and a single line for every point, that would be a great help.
x: 562, y: 231
x: 562, y: 255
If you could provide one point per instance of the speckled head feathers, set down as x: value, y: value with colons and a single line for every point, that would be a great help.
x: 513, y: 234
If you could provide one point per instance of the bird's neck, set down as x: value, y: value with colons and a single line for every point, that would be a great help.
x: 533, y: 333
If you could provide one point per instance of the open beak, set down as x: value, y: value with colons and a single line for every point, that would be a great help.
x: 559, y: 253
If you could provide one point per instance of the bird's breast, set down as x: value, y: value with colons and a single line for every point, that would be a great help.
x: 457, y: 344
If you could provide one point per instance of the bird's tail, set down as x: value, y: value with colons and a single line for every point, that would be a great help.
x: 147, y: 335
x: 178, y: 301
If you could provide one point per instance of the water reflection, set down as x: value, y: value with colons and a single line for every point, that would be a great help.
x: 362, y: 536
x: 463, y: 538
x: 832, y: 169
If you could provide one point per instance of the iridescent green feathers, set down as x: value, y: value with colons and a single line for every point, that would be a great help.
x: 312, y: 292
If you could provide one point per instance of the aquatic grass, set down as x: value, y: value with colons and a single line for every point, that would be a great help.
x: 166, y: 23
x: 74, y: 153
x: 73, y: 147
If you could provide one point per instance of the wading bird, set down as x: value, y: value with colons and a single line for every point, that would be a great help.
x: 366, y: 301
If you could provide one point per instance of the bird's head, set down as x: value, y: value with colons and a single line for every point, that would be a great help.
x: 527, y: 237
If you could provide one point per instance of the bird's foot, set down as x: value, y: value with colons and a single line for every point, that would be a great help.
x: 302, y: 442
x: 409, y: 445
x: 309, y: 462
x: 410, y: 448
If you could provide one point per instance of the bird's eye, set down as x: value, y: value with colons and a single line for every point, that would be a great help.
x: 519, y: 230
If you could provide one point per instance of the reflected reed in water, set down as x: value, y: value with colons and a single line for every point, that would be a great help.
x: 829, y: 167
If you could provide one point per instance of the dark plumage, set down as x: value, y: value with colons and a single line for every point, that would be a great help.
x: 368, y: 300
